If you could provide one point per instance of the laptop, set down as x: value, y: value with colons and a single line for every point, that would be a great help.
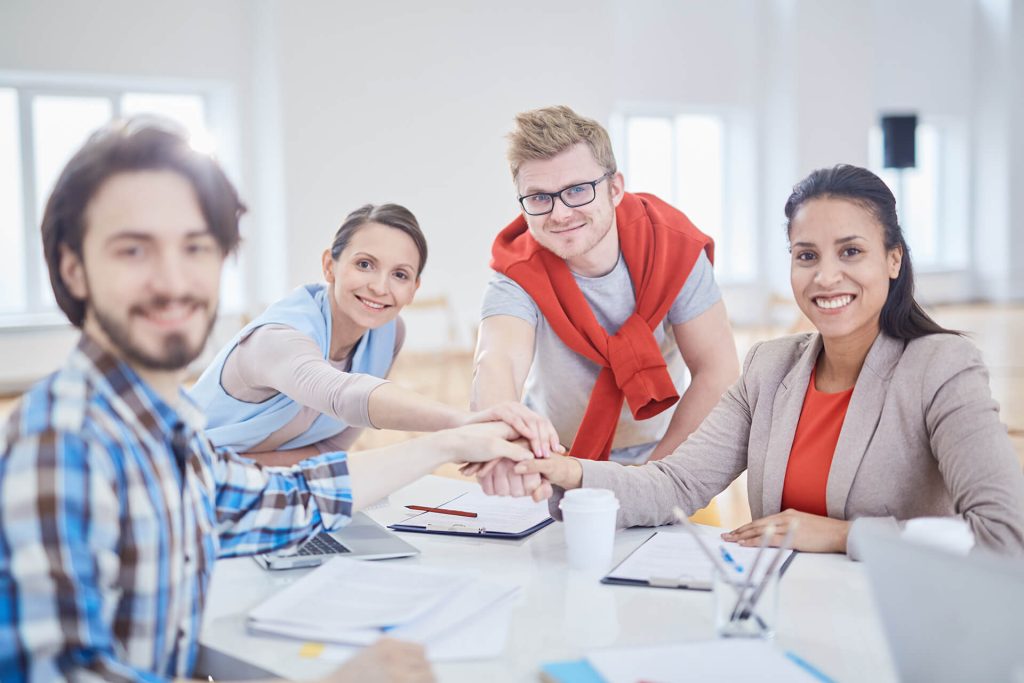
x: 947, y: 617
x: 362, y: 538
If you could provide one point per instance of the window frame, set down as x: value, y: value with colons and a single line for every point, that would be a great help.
x: 220, y: 119
x: 739, y: 218
x: 952, y: 224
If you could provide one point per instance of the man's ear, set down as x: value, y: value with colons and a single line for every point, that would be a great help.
x: 617, y: 183
x: 72, y: 272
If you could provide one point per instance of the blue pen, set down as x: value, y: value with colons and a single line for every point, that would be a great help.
x: 729, y: 558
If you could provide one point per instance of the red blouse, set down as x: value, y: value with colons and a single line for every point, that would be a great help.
x: 814, y: 444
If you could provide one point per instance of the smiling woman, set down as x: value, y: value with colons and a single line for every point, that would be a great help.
x: 878, y: 417
x: 307, y: 375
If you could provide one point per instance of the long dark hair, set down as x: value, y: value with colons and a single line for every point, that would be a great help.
x: 901, y: 317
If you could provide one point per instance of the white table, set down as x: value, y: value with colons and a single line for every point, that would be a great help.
x: 826, y: 613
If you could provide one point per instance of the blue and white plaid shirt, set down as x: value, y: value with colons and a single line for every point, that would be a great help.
x: 113, y: 508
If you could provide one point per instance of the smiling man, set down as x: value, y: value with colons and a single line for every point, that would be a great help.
x: 113, y: 503
x: 601, y: 298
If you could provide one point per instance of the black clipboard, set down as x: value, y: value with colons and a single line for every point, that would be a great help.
x: 685, y: 583
x: 468, y: 529
x: 473, y: 527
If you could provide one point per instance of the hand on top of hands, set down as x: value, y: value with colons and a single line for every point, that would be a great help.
x: 532, y: 478
x: 532, y: 426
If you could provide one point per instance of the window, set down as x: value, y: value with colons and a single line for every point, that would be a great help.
x: 691, y: 160
x: 41, y: 127
x: 930, y: 198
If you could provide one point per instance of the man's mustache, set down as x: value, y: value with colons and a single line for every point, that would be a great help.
x: 158, y: 303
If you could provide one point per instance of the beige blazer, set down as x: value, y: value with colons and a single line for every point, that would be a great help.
x: 921, y: 437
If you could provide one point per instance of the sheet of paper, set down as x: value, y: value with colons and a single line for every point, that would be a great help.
x: 676, y: 555
x: 343, y: 595
x: 713, y: 661
x: 481, y: 636
x: 494, y: 513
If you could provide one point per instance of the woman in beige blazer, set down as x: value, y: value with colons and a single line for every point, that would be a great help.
x: 920, y: 436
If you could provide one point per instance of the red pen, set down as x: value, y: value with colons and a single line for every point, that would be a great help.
x: 443, y: 511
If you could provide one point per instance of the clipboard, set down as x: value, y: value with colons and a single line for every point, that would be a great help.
x: 497, y: 517
x: 696, y: 577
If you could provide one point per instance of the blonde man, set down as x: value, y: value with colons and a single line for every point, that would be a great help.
x: 600, y: 302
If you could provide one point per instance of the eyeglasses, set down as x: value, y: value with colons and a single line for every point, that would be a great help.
x: 573, y: 196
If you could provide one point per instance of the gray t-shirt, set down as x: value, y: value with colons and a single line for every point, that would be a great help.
x: 560, y: 380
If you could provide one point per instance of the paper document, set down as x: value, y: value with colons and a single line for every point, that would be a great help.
x: 713, y: 661
x: 481, y: 635
x: 495, y: 514
x: 673, y: 557
x: 342, y: 595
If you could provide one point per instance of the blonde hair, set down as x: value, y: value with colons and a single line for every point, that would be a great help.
x: 544, y: 133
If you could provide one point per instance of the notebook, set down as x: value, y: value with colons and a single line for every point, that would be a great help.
x: 672, y: 559
x: 497, y: 517
x: 362, y: 538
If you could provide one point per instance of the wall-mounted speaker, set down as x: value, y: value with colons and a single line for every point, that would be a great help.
x: 898, y: 134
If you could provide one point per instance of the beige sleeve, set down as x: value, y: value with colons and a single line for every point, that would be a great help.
x: 973, y: 449
x: 284, y: 360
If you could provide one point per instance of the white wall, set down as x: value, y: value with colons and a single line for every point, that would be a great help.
x: 342, y: 103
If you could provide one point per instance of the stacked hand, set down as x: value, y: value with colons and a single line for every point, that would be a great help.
x: 533, y: 427
x: 532, y: 478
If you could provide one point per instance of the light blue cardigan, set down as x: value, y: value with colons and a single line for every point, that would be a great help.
x: 240, y: 425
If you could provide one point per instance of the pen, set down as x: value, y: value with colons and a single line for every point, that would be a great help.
x: 443, y: 511
x: 766, y: 537
x: 776, y: 561
x: 729, y: 558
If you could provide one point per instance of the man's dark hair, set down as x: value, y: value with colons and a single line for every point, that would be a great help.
x: 901, y: 317
x: 127, y: 146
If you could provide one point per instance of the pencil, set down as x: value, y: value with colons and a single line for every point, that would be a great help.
x: 443, y: 511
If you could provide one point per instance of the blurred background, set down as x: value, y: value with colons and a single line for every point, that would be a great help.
x: 317, y: 107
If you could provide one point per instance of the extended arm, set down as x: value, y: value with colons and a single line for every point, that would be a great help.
x: 709, y: 351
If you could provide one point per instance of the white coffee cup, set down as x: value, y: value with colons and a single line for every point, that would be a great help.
x: 946, y: 533
x: 589, y: 516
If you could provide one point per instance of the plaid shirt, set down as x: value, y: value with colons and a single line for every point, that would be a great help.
x: 113, y: 508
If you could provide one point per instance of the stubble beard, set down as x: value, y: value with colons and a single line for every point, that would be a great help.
x: 177, y: 353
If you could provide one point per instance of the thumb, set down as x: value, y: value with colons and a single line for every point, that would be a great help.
x: 536, y: 466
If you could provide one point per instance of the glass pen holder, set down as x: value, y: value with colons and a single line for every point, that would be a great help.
x: 745, y: 608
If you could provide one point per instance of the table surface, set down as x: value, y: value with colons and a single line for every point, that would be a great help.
x: 826, y: 612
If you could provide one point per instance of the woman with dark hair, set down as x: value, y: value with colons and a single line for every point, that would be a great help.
x: 880, y: 416
x: 307, y: 375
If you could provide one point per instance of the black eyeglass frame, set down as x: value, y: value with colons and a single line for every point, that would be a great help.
x: 558, y: 195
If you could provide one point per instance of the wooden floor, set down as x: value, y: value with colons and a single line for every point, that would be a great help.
x: 997, y: 330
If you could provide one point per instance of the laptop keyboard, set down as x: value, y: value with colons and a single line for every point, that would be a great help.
x: 322, y: 544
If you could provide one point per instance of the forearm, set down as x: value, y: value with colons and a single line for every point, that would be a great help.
x: 494, y: 382
x: 392, y: 407
x: 261, y: 509
x: 378, y: 472
x: 704, y: 392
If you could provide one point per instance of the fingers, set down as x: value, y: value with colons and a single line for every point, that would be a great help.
x: 470, y: 469
x: 542, y: 492
x: 544, y: 467
x: 487, y: 483
x: 534, y: 427
x: 753, y: 532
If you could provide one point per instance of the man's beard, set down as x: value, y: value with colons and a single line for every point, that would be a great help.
x: 176, y: 354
